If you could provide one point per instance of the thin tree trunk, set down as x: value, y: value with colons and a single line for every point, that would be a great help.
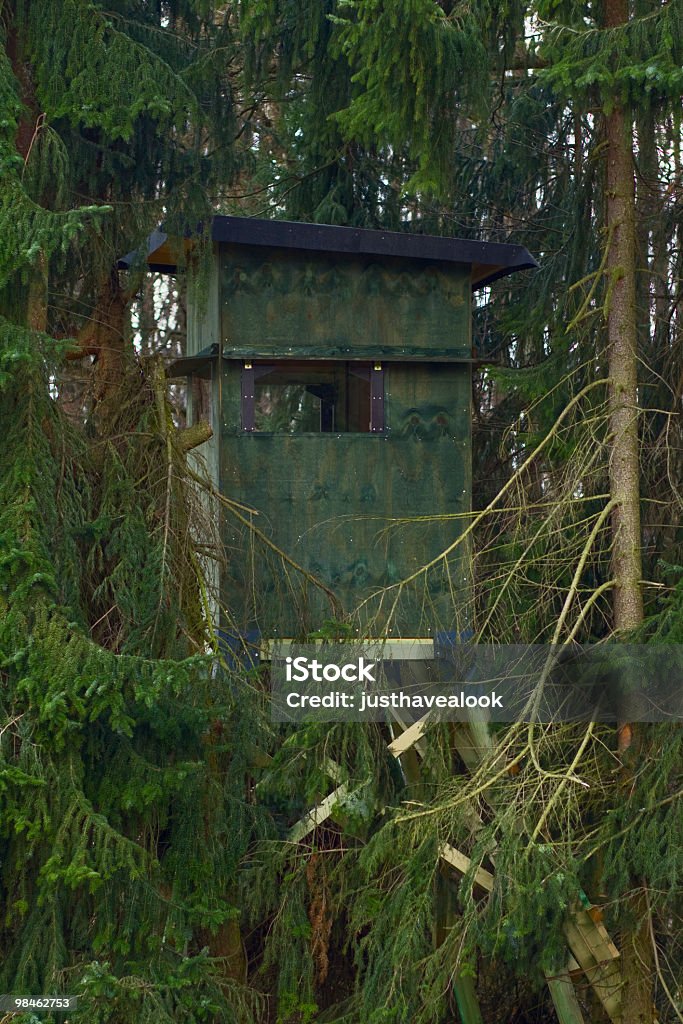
x: 27, y: 129
x: 623, y: 368
x: 636, y: 953
x: 36, y: 306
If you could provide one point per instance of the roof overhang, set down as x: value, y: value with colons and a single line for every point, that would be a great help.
x: 488, y: 261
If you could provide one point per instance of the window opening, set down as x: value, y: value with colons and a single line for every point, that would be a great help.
x: 201, y: 404
x: 312, y: 398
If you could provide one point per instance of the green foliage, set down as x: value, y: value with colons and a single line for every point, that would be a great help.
x: 642, y: 835
x: 73, y: 45
x: 637, y: 63
x: 122, y: 772
x: 332, y: 630
x: 523, y: 925
x: 413, y: 66
x: 126, y: 796
x: 112, y: 103
x: 665, y: 625
x: 395, y: 914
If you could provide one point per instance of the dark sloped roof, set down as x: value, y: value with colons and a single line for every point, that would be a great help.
x: 488, y: 260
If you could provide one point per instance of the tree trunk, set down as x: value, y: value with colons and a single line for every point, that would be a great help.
x: 636, y: 953
x: 623, y: 370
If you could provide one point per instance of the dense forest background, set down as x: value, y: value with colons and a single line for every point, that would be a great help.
x: 146, y: 801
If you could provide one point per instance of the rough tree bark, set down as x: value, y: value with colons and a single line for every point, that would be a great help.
x: 636, y: 952
x: 623, y: 364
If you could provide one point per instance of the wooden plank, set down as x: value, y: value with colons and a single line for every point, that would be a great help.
x: 564, y: 999
x: 317, y: 815
x: 462, y: 863
x: 596, y: 936
x: 604, y: 976
x: 408, y: 737
x: 419, y: 743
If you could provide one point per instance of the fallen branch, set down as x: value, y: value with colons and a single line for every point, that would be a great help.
x: 192, y: 437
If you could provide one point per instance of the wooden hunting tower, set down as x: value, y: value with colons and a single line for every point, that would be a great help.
x: 334, y: 366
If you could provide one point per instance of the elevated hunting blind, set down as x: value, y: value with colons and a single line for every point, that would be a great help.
x: 334, y: 366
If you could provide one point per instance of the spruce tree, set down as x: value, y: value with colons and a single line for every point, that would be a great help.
x: 124, y: 748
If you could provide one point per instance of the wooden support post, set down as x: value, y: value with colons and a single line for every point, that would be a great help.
x: 593, y: 952
x: 564, y: 998
x: 466, y: 998
x: 598, y: 959
x: 446, y: 912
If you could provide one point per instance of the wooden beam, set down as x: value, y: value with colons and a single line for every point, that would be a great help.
x: 596, y: 936
x: 593, y: 952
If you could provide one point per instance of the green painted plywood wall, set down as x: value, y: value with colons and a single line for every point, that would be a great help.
x: 281, y: 303
x: 331, y: 501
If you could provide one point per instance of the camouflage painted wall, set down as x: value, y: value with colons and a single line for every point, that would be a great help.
x: 275, y: 302
x: 332, y: 501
